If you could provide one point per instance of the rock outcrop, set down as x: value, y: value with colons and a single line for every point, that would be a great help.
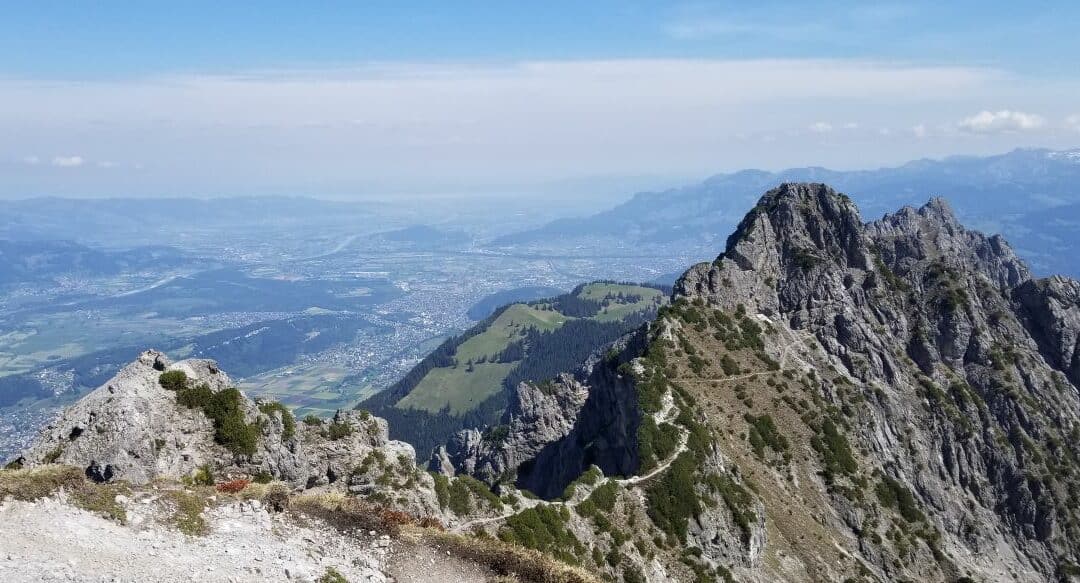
x: 886, y: 400
x: 974, y: 363
x: 134, y: 429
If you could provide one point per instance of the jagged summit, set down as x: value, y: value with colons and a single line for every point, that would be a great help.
x: 869, y: 401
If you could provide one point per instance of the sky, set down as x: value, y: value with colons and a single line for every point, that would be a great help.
x: 412, y: 99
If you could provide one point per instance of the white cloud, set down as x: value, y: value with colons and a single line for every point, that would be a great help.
x: 919, y: 131
x: 1003, y: 121
x: 107, y: 164
x: 821, y: 127
x: 68, y: 161
x: 419, y: 127
x: 31, y: 160
x: 1073, y: 122
x: 885, y: 131
x: 851, y: 126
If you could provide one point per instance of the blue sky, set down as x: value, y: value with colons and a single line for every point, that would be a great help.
x: 358, y: 99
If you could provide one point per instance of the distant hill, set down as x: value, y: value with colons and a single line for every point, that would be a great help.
x: 464, y: 382
x: 26, y: 261
x: 995, y: 193
x: 489, y: 303
x: 425, y: 235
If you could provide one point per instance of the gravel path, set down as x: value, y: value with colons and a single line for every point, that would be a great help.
x: 51, y: 541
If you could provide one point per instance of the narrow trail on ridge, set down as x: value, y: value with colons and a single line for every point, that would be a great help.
x: 667, y: 414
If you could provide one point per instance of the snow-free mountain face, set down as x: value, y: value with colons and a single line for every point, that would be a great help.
x: 997, y: 194
x: 828, y: 400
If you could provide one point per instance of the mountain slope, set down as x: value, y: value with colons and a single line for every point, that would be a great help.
x: 465, y: 381
x: 828, y: 400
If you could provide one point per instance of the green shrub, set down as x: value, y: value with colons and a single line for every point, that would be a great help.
x: 673, y: 499
x: 261, y: 477
x: 173, y: 380
x: 729, y: 365
x: 804, y: 259
x: 543, y: 528
x: 496, y: 434
x: 697, y: 364
x: 442, y: 489
x: 203, y: 476
x: 737, y: 499
x: 287, y: 418
x: 224, y: 410
x: 893, y: 494
x: 604, y: 496
x: 332, y: 576
x: 312, y: 420
x: 655, y: 443
x: 834, y: 450
x: 459, y: 500
x: 763, y: 433
x: 480, y: 490
x: 339, y: 430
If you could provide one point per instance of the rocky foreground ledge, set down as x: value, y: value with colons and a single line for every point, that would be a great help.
x: 168, y: 473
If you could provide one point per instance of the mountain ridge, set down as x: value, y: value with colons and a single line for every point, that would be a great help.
x: 901, y: 390
x: 829, y: 399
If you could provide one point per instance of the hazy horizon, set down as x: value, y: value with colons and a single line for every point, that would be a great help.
x: 350, y: 101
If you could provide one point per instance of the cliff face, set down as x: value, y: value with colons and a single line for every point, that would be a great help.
x: 968, y: 366
x: 554, y: 431
x: 876, y: 401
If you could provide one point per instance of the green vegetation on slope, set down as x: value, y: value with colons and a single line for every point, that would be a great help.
x: 221, y: 407
x: 466, y: 382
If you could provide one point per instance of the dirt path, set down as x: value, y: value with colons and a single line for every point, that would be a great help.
x: 666, y: 414
x: 51, y: 541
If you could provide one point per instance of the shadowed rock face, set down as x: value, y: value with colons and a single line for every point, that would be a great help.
x: 554, y: 431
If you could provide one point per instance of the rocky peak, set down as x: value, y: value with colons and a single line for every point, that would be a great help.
x: 138, y: 427
x: 932, y: 233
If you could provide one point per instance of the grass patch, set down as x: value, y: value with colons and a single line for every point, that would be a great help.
x: 33, y: 484
x: 187, y: 512
x: 508, y: 559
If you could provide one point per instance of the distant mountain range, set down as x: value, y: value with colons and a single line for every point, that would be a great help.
x: 29, y: 261
x: 1031, y: 196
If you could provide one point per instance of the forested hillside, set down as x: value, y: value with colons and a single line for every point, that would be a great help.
x: 464, y: 382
